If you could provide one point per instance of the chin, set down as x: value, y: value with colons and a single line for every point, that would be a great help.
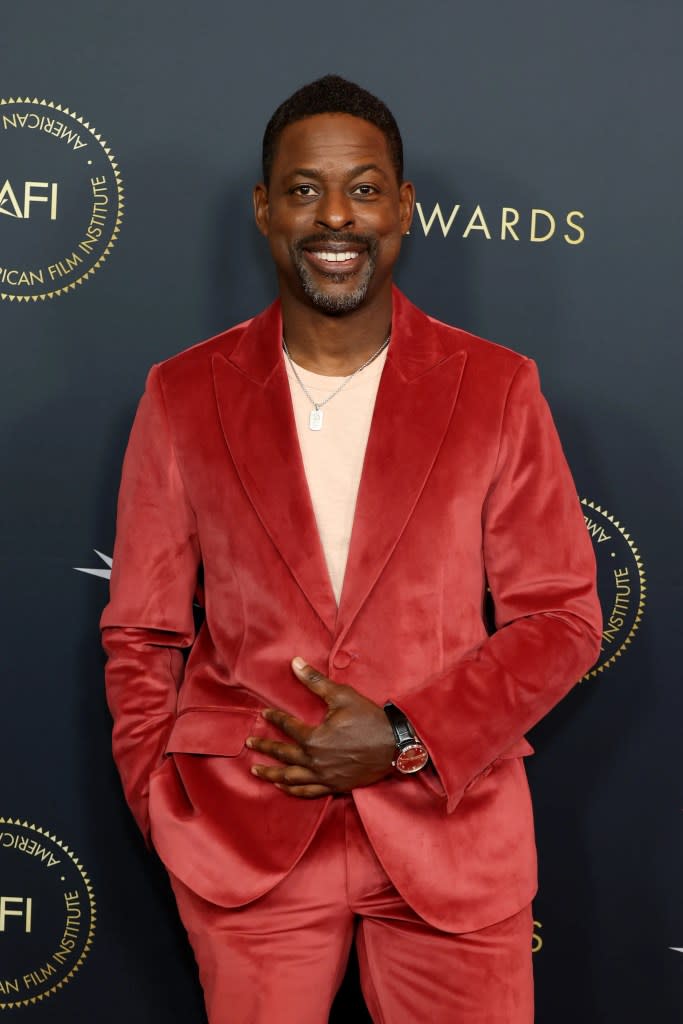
x: 336, y: 304
x: 332, y: 301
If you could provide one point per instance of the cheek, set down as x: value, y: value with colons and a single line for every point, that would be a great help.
x: 282, y: 235
x: 390, y: 245
x: 279, y: 247
x: 388, y: 230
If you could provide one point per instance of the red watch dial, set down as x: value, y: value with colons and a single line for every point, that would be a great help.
x: 412, y: 758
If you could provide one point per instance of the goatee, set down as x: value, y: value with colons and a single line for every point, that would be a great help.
x: 326, y: 302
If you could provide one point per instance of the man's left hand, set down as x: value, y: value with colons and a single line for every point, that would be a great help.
x: 353, y: 746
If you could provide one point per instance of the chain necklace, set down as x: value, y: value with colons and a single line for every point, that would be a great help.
x: 315, y: 420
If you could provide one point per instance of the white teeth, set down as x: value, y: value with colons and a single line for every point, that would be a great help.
x: 336, y: 257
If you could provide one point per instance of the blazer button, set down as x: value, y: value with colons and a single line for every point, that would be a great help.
x: 342, y: 659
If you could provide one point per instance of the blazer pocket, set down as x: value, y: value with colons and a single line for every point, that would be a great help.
x: 218, y: 731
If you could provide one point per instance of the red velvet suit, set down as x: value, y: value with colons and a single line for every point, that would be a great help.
x: 464, y: 485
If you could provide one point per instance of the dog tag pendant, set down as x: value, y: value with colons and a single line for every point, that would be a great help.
x: 315, y: 420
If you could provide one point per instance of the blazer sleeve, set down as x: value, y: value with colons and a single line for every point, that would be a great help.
x: 540, y: 567
x: 149, y: 618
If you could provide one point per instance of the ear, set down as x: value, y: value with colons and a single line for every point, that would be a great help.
x: 261, y: 210
x: 406, y: 194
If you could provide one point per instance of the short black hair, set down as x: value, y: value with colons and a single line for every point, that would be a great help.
x: 332, y: 95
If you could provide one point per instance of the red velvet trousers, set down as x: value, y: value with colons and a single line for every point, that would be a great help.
x: 281, y: 958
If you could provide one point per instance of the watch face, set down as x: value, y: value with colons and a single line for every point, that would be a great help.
x: 411, y: 758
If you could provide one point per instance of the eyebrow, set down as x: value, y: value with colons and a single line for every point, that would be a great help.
x: 311, y: 172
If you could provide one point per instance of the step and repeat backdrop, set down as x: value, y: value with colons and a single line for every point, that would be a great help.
x: 545, y: 146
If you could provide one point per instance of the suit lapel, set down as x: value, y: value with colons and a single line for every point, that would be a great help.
x: 414, y: 406
x: 255, y: 409
x: 415, y: 402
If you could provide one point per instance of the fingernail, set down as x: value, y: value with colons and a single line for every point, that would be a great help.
x: 250, y: 742
x: 299, y: 663
x: 254, y: 770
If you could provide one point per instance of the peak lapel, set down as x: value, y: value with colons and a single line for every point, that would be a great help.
x: 414, y: 406
x: 255, y: 409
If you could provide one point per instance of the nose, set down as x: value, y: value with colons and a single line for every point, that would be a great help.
x: 334, y: 210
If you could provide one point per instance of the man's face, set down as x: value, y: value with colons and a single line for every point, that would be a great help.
x: 334, y: 211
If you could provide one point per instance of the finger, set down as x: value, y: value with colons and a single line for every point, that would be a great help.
x: 289, y: 753
x: 288, y: 775
x: 306, y: 792
x: 314, y: 680
x: 293, y: 726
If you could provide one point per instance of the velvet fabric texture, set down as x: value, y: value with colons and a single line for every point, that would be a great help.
x: 464, y: 486
x: 281, y: 958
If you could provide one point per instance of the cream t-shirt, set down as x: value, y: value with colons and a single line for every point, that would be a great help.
x: 333, y: 456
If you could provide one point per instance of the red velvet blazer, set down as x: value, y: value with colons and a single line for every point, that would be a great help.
x: 464, y: 486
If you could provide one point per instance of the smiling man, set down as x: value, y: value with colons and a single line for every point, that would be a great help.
x: 337, y: 752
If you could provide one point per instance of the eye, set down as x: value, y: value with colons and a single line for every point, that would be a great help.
x: 303, y: 190
x: 365, y: 190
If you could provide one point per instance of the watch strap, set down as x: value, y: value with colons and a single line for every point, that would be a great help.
x: 403, y: 730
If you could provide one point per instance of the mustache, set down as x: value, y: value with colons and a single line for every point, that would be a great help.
x: 347, y: 237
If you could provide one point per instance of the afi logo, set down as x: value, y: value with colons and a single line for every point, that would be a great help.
x: 6, y: 910
x: 33, y: 192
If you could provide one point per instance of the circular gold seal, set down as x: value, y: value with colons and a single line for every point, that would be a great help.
x: 621, y: 583
x: 61, y: 200
x: 47, y: 914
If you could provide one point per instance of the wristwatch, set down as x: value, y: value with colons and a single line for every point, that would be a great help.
x: 411, y: 753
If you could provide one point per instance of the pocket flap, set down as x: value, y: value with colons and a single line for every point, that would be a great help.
x: 220, y: 731
x: 520, y: 748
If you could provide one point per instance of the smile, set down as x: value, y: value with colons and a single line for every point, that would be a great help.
x: 335, y: 261
x: 336, y: 257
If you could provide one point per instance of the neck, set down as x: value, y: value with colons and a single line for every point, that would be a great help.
x: 334, y: 346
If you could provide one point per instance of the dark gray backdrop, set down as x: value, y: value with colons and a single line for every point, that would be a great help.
x: 522, y: 106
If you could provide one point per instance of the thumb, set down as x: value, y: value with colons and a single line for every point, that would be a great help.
x: 314, y: 680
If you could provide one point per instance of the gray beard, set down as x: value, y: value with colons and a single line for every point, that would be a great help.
x: 335, y: 305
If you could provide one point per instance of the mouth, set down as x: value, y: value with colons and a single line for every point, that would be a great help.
x: 343, y: 259
x: 330, y: 261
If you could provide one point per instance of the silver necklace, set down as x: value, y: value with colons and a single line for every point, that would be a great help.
x: 315, y: 419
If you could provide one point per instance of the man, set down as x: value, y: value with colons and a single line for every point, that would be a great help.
x: 337, y: 481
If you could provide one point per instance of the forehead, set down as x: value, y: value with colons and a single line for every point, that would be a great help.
x: 330, y: 142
